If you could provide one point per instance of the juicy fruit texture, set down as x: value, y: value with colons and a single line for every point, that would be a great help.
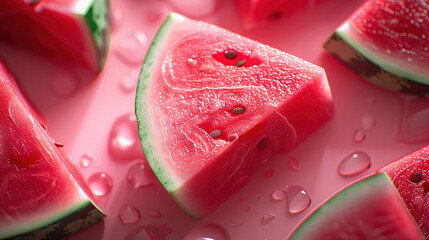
x: 369, y: 209
x: 76, y: 32
x: 255, y: 12
x: 212, y: 105
x: 387, y: 42
x: 410, y: 175
x: 42, y: 195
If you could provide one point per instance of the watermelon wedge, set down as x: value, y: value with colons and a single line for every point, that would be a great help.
x: 76, y: 32
x: 212, y: 105
x: 410, y: 175
x: 369, y: 209
x: 387, y: 43
x: 42, y: 196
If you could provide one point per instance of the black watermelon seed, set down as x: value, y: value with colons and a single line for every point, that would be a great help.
x: 59, y: 144
x: 238, y: 110
x: 230, y: 54
x: 240, y: 63
x: 416, y: 177
x: 263, y: 143
x: 216, y: 133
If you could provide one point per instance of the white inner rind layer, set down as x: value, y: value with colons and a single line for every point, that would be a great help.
x: 151, y: 62
x: 352, y: 37
x: 46, y: 218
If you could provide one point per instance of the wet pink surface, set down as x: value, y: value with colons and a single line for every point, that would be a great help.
x: 82, y: 117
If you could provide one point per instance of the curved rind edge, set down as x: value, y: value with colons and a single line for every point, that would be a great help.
x: 350, y: 53
x: 73, y: 220
x: 141, y: 107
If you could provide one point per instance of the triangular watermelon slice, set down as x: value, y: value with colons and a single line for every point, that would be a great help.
x: 410, y: 175
x: 387, y: 43
x: 369, y: 209
x: 212, y: 105
x: 42, y: 196
x: 76, y: 32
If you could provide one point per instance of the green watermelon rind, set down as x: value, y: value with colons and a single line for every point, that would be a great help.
x: 344, y: 196
x: 72, y: 219
x: 373, y: 56
x: 141, y: 107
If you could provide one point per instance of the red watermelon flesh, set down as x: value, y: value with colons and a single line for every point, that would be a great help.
x: 74, y: 32
x: 41, y: 192
x: 399, y: 28
x: 368, y: 209
x: 410, y: 175
x: 207, y: 118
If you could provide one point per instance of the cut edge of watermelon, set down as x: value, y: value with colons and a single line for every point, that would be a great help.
x: 82, y: 202
x: 141, y: 107
x: 344, y: 32
x: 301, y: 228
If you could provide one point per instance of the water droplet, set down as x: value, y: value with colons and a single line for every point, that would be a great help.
x: 149, y: 232
x: 192, y: 62
x: 86, y: 160
x: 367, y: 122
x: 137, y: 176
x: 208, y: 231
x: 266, y: 218
x: 128, y: 84
x: 129, y: 214
x: 100, y: 183
x: 359, y: 136
x: 278, y: 194
x: 354, y: 163
x: 269, y: 173
x: 133, y: 48
x: 414, y: 126
x: 117, y: 18
x: 298, y: 199
x: 295, y: 165
x: 154, y: 214
x: 124, y: 143
x: 195, y: 9
x: 64, y: 83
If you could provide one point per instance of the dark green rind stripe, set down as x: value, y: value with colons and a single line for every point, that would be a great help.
x: 82, y: 217
x: 99, y: 19
x: 141, y: 106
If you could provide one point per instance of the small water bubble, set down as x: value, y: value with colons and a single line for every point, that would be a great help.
x: 132, y: 49
x: 278, y: 194
x: 129, y: 214
x: 298, y: 199
x: 267, y: 218
x: 414, y: 122
x: 367, y: 122
x: 137, y: 176
x: 269, y: 173
x: 86, y: 160
x: 354, y: 163
x: 128, y: 84
x: 64, y: 83
x: 154, y: 214
x: 149, y: 232
x: 100, y: 183
x: 359, y: 136
x: 192, y: 62
x: 208, y: 231
x: 295, y: 165
x: 124, y: 142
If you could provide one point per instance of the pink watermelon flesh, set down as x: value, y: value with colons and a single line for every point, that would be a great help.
x: 206, y: 121
x: 74, y: 32
x: 41, y: 192
x: 400, y: 29
x: 369, y: 209
x: 410, y: 175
